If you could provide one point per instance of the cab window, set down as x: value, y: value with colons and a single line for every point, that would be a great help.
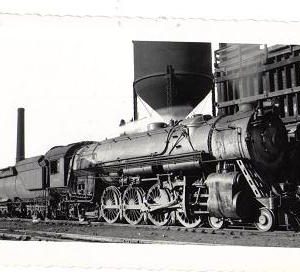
x: 54, y: 167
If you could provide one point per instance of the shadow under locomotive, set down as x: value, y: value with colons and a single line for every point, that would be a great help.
x: 222, y: 170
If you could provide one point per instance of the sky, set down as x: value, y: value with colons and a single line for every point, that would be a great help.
x: 70, y: 64
x: 73, y: 79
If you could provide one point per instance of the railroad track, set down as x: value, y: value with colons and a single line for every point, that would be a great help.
x: 236, y: 231
x: 28, y: 235
x: 25, y: 235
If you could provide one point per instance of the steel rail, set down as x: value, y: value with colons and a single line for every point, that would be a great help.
x: 233, y: 230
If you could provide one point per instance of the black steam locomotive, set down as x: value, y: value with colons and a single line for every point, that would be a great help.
x: 216, y: 170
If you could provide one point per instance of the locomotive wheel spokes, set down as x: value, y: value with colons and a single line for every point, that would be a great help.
x: 111, y: 204
x: 133, y: 205
x: 159, y: 197
x: 215, y: 222
x: 192, y: 221
x: 265, y: 220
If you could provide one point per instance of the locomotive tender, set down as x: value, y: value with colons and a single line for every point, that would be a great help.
x: 216, y: 170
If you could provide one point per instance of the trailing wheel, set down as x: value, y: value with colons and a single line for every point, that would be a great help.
x: 111, y: 204
x: 191, y: 221
x: 215, y: 222
x: 133, y: 205
x: 265, y: 220
x: 159, y: 197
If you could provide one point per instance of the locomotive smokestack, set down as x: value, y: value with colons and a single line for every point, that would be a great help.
x: 20, y: 154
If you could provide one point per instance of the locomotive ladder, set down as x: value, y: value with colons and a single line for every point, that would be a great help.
x: 258, y: 187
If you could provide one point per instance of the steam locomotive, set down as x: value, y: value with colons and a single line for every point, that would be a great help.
x: 222, y: 170
x: 231, y: 168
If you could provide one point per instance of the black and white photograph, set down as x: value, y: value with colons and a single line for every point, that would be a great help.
x: 124, y: 130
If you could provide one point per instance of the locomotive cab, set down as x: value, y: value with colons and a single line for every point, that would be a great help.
x: 58, y: 159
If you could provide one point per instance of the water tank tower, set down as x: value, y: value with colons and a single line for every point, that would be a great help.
x: 172, y: 75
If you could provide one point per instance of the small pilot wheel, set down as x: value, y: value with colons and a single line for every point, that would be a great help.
x: 159, y: 197
x: 265, y: 220
x: 191, y: 221
x: 215, y: 222
x: 111, y: 204
x: 133, y: 205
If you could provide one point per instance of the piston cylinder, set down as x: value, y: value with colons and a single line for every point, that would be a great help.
x: 225, y: 200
